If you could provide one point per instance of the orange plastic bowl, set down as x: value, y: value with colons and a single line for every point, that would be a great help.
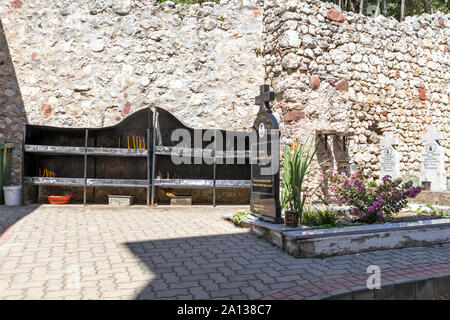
x: 59, y: 199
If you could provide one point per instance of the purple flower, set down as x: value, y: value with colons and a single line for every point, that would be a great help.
x: 362, y: 215
x: 387, y: 179
x: 371, y: 209
x: 376, y: 204
x: 413, y: 192
x: 357, y: 182
x: 380, y: 214
x: 362, y: 189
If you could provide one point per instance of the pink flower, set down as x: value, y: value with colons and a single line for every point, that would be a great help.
x: 380, y: 214
x: 354, y: 174
x: 332, y: 172
x: 362, y: 215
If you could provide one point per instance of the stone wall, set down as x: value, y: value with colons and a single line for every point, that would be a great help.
x: 343, y: 72
x: 90, y: 63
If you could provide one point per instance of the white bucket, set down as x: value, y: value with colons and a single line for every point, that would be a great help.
x: 13, y: 195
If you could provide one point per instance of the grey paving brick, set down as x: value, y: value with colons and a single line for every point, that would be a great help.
x: 163, y: 253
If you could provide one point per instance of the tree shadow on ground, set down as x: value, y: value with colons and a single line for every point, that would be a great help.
x: 9, y: 216
x: 227, y: 266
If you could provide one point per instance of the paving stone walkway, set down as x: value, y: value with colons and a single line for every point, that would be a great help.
x: 99, y: 252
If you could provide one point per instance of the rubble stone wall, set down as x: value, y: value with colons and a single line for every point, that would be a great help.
x: 346, y: 73
x: 90, y: 63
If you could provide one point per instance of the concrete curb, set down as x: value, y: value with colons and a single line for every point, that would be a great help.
x: 311, y: 243
x: 422, y: 288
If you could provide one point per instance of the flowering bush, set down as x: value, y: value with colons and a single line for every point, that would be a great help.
x: 371, y: 202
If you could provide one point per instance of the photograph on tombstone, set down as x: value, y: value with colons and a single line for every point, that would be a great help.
x: 249, y: 151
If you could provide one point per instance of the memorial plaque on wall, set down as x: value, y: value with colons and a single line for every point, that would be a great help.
x: 390, y: 157
x: 432, y: 160
x: 265, y: 161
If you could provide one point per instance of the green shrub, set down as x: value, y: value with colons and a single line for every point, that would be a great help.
x: 325, y: 218
x: 432, y: 211
x: 410, y: 176
x: 298, y: 163
x: 240, y: 216
x: 371, y: 202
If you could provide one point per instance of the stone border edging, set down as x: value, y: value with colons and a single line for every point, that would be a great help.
x: 424, y: 288
x: 310, y: 243
x: 307, y: 233
x: 413, y: 285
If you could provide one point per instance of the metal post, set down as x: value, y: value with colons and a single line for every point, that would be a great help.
x: 154, y: 156
x: 23, y: 162
x: 345, y: 145
x: 148, y: 166
x: 85, y: 166
x: 214, y: 168
x: 327, y: 196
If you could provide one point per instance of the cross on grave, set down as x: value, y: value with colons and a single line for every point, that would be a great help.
x: 265, y: 161
x: 389, y: 140
x: 432, y: 160
x: 432, y: 135
x: 390, y: 157
x: 264, y: 98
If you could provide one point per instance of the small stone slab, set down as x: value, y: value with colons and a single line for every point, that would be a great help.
x: 274, y: 227
x: 181, y: 201
x: 120, y: 200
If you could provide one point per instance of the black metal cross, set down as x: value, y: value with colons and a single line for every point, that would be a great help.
x: 265, y: 96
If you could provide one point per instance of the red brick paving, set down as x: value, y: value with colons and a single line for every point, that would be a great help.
x: 349, y: 282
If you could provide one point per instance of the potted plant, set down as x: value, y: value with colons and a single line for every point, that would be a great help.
x: 297, y: 165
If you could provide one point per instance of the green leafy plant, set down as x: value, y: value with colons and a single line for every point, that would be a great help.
x: 240, y: 216
x: 298, y: 163
x: 433, y: 211
x: 321, y: 218
x: 410, y: 176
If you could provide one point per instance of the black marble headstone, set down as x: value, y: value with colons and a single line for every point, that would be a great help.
x: 265, y: 156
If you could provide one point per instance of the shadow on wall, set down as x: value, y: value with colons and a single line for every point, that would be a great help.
x: 12, y: 111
